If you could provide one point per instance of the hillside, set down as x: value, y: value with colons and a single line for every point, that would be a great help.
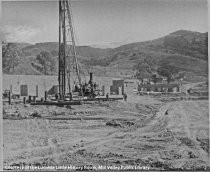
x: 22, y: 45
x: 185, y: 50
x: 85, y: 51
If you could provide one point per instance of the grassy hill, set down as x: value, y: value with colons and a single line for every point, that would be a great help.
x: 185, y: 50
x: 85, y: 52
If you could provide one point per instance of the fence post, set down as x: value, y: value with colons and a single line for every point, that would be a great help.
x: 37, y: 91
x: 45, y: 95
x: 34, y: 99
x: 24, y: 100
x: 9, y: 97
x: 29, y: 99
x: 11, y: 88
x: 103, y: 90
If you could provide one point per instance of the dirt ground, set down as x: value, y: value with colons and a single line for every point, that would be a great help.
x: 143, y: 131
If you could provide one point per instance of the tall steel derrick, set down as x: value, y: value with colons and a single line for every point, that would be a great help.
x: 66, y: 26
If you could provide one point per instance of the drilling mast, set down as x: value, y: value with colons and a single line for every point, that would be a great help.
x: 66, y: 25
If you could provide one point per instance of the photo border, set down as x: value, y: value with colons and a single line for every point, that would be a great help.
x: 1, y: 79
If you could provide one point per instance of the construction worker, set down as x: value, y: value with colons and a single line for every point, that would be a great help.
x: 83, y: 89
x: 107, y: 95
x: 70, y: 96
x: 125, y: 96
x: 56, y: 96
x: 94, y: 85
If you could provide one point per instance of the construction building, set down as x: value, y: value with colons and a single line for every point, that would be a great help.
x: 175, y: 87
x: 117, y: 87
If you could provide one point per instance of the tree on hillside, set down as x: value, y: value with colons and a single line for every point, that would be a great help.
x: 167, y: 71
x: 181, y: 75
x: 53, y: 65
x: 154, y: 78
x: 47, y: 62
x: 11, y: 55
x: 145, y: 68
x: 54, y: 53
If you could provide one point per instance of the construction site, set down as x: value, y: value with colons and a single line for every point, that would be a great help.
x: 74, y: 122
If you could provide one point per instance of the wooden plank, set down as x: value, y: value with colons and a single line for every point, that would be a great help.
x: 76, y: 118
x: 103, y: 99
x: 85, y: 118
x: 58, y: 103
x: 75, y: 102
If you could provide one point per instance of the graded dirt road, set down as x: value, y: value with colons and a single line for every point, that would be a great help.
x: 143, y: 131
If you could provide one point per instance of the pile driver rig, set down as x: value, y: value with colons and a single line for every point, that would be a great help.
x: 68, y: 59
x: 65, y: 29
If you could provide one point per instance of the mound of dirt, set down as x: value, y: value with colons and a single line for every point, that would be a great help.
x: 113, y: 123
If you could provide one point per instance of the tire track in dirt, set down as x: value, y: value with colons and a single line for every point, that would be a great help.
x: 158, y: 123
x: 186, y: 113
x: 189, y: 145
x: 55, y: 150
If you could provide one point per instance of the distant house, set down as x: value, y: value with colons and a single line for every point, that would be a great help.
x: 197, y: 40
x: 145, y: 81
x: 175, y: 87
x: 151, y: 81
x: 159, y: 80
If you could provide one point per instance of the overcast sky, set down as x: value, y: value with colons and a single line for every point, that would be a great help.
x: 103, y: 22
